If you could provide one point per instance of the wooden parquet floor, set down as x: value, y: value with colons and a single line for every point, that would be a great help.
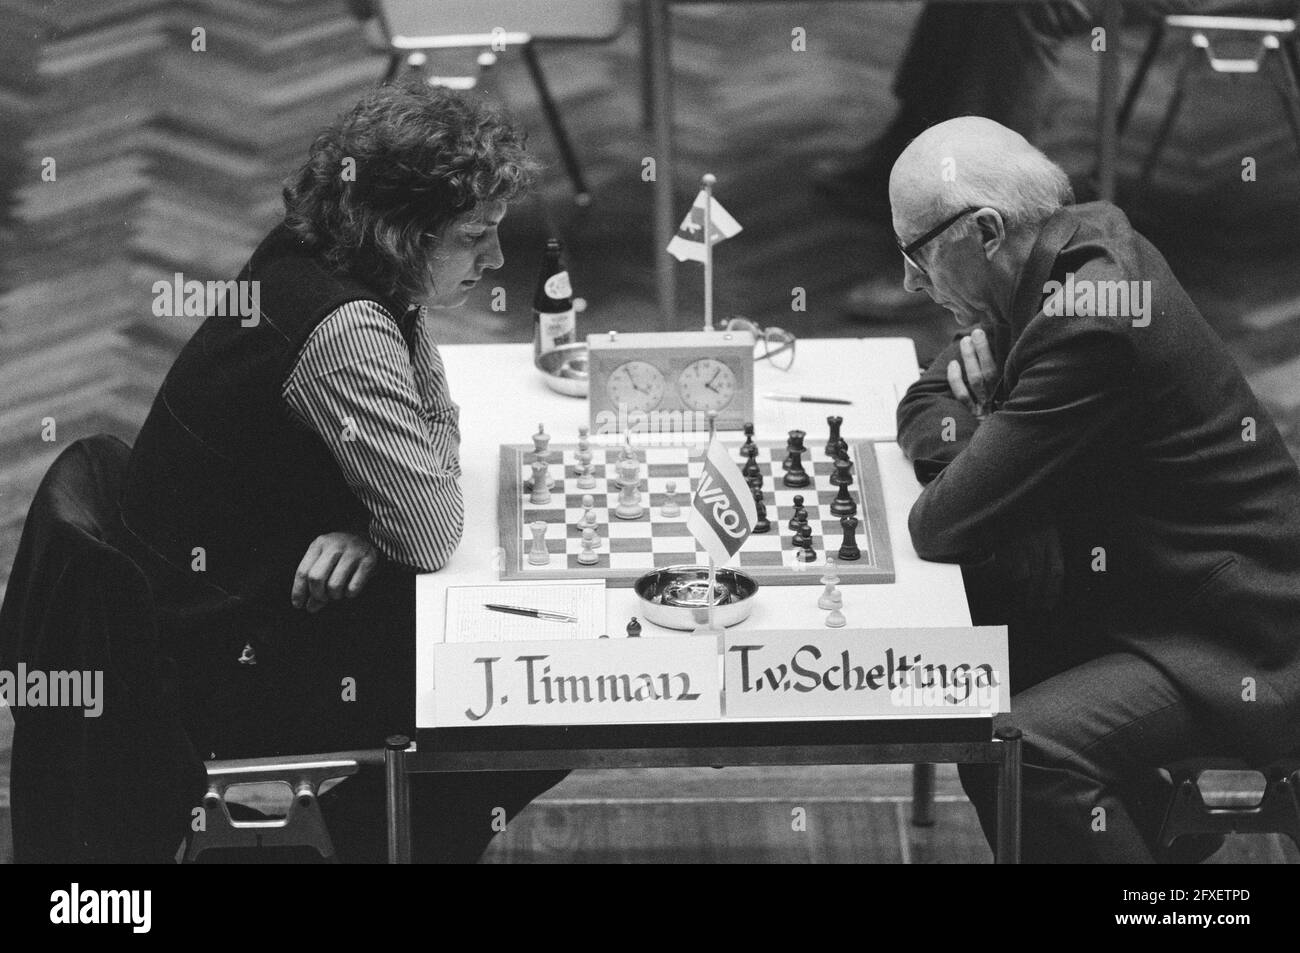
x: 169, y: 159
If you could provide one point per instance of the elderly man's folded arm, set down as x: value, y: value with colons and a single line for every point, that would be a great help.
x: 933, y: 425
x: 398, y: 459
x: 1071, y: 391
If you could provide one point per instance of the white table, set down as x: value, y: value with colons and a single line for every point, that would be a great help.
x: 503, y: 399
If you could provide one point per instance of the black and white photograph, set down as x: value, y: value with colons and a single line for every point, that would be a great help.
x: 651, y: 432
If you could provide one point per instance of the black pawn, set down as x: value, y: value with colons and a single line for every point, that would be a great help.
x: 800, y: 514
x: 762, y: 524
x: 751, y: 468
x: 843, y: 504
x: 634, y: 629
x: 749, y: 448
x: 833, y: 444
x: 849, y: 548
x: 803, y: 545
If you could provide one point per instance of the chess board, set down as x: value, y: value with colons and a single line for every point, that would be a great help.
x: 631, y: 548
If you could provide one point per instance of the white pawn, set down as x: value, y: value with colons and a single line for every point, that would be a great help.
x: 829, y: 596
x: 835, y: 618
x: 588, y: 512
x: 586, y: 481
x: 670, y: 509
x: 588, y: 556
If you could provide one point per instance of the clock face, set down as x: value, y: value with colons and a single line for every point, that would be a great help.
x: 707, y: 384
x: 636, y: 384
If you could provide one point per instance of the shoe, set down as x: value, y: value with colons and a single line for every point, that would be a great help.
x: 883, y: 298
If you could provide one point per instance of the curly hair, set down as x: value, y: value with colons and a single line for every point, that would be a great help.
x: 420, y: 157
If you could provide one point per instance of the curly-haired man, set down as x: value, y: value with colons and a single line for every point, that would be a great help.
x: 297, y: 470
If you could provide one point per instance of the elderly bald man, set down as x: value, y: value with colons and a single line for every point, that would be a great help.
x: 1114, y: 491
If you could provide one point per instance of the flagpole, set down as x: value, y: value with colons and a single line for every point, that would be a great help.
x: 713, y: 422
x: 709, y: 181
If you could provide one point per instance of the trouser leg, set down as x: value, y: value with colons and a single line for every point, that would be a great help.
x: 1094, y: 737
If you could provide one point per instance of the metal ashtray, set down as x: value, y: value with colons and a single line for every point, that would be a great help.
x: 565, y: 369
x: 676, y: 597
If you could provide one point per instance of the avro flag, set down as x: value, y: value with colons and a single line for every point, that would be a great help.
x: 688, y: 243
x: 722, y: 511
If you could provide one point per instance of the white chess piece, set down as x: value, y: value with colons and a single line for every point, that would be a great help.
x: 588, y: 556
x: 670, y: 509
x: 541, y: 492
x: 828, y: 597
x: 538, y: 555
x: 629, y: 497
x: 835, y: 619
x: 588, y: 511
x: 542, y: 453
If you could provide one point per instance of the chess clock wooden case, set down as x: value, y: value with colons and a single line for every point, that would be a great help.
x: 669, y: 381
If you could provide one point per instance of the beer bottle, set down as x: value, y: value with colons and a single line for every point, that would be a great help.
x: 554, y: 324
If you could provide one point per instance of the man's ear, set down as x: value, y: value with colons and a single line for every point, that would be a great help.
x: 992, y: 230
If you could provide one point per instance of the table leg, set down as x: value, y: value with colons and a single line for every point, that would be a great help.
x: 659, y: 26
x: 922, y: 795
x: 399, y: 799
x: 1008, y: 834
x: 1108, y: 69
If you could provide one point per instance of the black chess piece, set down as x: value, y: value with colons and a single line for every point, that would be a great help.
x: 842, y: 453
x: 803, y: 551
x: 749, y: 445
x: 843, y: 504
x: 762, y: 524
x: 634, y: 629
x: 833, y: 444
x: 796, y: 476
x: 849, y: 548
x: 755, y: 482
x: 751, y: 468
x: 800, y: 514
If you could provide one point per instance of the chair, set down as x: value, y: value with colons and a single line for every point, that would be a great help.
x: 123, y: 786
x: 409, y: 30
x: 1190, y: 812
x: 118, y: 787
x: 302, y: 826
x: 1274, y: 36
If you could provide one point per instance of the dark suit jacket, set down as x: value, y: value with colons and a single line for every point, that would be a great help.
x: 1144, y: 450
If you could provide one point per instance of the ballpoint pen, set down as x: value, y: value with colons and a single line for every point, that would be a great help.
x: 544, y: 614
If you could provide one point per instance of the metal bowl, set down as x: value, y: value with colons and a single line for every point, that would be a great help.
x: 565, y: 369
x: 675, y: 597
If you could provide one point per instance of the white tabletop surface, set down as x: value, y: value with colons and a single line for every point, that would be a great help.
x: 502, y: 399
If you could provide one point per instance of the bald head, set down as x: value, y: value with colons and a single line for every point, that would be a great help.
x: 972, y: 161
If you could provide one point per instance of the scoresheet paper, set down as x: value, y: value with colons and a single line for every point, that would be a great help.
x: 468, y: 621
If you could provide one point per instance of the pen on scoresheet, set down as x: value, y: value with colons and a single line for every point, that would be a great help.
x: 804, y: 399
x: 544, y: 614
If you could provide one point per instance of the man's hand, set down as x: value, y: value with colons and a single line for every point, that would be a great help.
x: 981, y: 372
x: 335, y: 565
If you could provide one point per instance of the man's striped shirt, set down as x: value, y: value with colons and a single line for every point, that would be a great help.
x: 380, y: 402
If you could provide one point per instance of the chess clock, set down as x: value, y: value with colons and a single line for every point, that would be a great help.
x: 669, y: 381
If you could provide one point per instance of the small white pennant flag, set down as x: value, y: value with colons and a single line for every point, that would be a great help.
x: 688, y: 243
x: 722, y: 513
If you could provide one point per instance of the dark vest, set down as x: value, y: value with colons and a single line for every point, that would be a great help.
x: 220, y: 464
